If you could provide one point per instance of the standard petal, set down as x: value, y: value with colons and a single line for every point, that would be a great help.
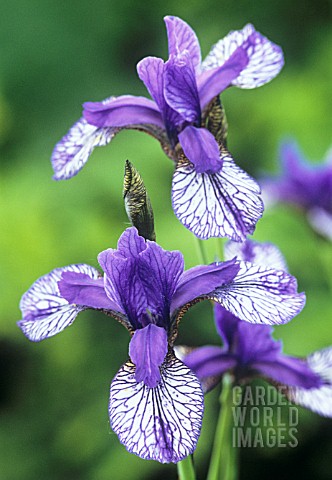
x: 264, y: 254
x: 181, y: 37
x: 202, y: 280
x: 147, y: 350
x: 223, y: 204
x: 45, y: 312
x: 151, y: 71
x: 124, y: 111
x: 201, y: 148
x: 318, y: 400
x: 180, y: 89
x: 74, y: 149
x: 261, y: 295
x: 265, y: 58
x: 142, y: 277
x: 161, y: 423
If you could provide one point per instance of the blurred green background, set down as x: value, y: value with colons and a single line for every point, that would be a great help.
x: 54, y: 55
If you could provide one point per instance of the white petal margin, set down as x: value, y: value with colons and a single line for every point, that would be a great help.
x: 161, y: 423
x: 222, y: 204
x: 318, y: 400
x: 45, y: 313
x: 261, y: 295
x: 73, y: 151
x: 264, y: 254
x: 265, y: 58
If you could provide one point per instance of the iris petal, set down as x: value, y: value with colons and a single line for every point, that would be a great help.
x: 261, y: 295
x: 264, y: 254
x: 74, y: 149
x: 45, y: 312
x: 223, y: 204
x: 201, y: 148
x: 122, y: 111
x: 319, y: 399
x: 161, y: 423
x: 265, y: 59
x: 147, y: 349
x: 180, y: 89
x: 202, y: 280
x: 181, y: 37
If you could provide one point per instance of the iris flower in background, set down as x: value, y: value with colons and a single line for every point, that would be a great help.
x: 156, y: 402
x: 211, y: 195
x: 249, y: 351
x: 307, y: 186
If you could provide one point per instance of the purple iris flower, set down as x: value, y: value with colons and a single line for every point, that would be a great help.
x: 249, y: 351
x: 305, y: 185
x: 156, y: 402
x: 211, y: 195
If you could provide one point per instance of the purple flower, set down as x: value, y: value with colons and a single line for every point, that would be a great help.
x: 156, y: 402
x: 249, y: 350
x: 211, y: 195
x: 304, y: 185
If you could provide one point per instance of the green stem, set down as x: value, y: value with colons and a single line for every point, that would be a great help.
x: 186, y: 469
x: 201, y: 253
x: 223, y: 465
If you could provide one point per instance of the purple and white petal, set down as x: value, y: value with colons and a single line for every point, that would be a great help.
x: 261, y: 295
x: 181, y: 37
x: 73, y: 151
x: 45, y: 312
x: 223, y: 204
x: 201, y: 148
x: 318, y: 400
x: 265, y: 58
x: 161, y: 423
x: 263, y: 254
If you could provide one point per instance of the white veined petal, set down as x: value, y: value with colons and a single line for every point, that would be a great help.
x: 318, y: 400
x: 261, y: 295
x: 73, y: 151
x: 265, y: 58
x: 222, y: 204
x: 263, y: 254
x: 45, y: 312
x: 161, y: 423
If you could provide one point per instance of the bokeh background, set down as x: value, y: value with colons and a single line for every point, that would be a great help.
x: 53, y: 56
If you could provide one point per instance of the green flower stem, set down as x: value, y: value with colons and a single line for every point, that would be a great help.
x: 201, y: 253
x: 186, y: 469
x: 223, y: 465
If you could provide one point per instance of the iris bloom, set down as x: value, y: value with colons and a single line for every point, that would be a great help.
x: 211, y: 195
x: 305, y: 185
x: 250, y: 351
x: 156, y: 402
